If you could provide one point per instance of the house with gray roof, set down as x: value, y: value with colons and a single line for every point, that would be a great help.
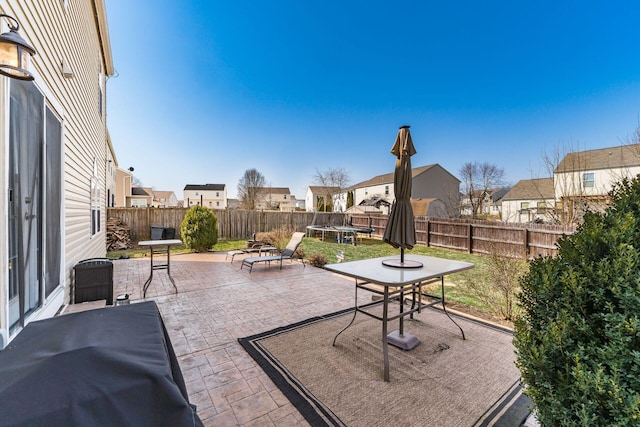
x: 141, y: 197
x: 429, y: 182
x: 530, y: 200
x: 583, y: 179
x: 275, y: 198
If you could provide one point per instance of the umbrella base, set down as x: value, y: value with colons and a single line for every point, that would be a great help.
x: 405, y: 341
x: 398, y: 263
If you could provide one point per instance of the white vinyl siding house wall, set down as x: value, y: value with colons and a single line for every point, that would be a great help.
x: 317, y: 195
x: 53, y: 196
x: 529, y: 200
x: 583, y: 179
x: 212, y: 196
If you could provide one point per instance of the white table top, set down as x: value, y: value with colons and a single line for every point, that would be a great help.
x: 167, y: 242
x: 372, y: 270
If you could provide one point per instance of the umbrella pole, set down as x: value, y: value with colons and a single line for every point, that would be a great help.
x: 401, y: 255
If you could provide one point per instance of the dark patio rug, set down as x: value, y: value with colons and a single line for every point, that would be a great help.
x: 444, y: 381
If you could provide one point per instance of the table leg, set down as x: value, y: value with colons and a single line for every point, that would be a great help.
x: 401, y: 328
x: 413, y: 298
x: 355, y: 311
x: 169, y: 268
x: 385, y: 345
x: 444, y: 308
x: 148, y: 282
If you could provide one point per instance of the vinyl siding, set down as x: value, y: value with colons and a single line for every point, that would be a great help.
x: 70, y: 34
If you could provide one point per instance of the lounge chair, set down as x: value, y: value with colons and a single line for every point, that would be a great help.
x: 266, y: 249
x: 287, y: 253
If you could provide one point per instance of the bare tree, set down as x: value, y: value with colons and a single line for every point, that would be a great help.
x: 249, y: 188
x: 477, y: 181
x: 334, y: 181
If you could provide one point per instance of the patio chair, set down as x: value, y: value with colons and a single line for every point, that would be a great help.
x: 287, y: 253
x: 265, y: 249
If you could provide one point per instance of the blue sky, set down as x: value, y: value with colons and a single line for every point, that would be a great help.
x: 208, y: 89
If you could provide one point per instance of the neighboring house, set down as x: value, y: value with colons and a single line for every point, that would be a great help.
x: 489, y: 202
x: 583, y: 179
x: 317, y: 197
x: 429, y: 182
x: 429, y: 207
x: 111, y: 174
x: 376, y: 204
x: 363, y: 210
x: 275, y: 198
x: 212, y: 196
x: 123, y: 188
x: 141, y: 197
x: 55, y: 154
x: 233, y: 203
x: 165, y: 199
x: 530, y: 200
x: 128, y: 195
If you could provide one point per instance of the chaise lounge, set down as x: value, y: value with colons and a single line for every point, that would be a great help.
x: 287, y: 253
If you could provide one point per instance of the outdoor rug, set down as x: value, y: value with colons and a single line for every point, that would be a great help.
x: 444, y: 381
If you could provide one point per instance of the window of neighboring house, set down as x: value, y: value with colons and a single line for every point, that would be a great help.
x: 95, y: 199
x: 217, y: 194
x: 366, y: 192
x: 524, y: 206
x: 217, y: 203
x: 495, y: 208
x: 285, y: 197
x: 588, y: 180
x: 210, y: 203
x: 386, y: 190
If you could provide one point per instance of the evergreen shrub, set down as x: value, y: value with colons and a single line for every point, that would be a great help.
x: 199, y: 229
x: 578, y: 341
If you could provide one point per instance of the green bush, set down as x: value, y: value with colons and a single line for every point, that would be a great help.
x: 578, y: 342
x: 199, y: 229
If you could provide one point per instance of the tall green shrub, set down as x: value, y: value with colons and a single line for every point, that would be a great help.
x: 199, y: 229
x: 578, y: 342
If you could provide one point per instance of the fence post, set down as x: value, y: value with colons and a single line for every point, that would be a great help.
x: 470, y: 238
x: 525, y: 241
x: 428, y: 232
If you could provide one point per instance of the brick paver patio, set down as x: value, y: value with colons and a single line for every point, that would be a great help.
x: 218, y: 303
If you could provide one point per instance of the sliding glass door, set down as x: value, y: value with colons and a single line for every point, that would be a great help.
x: 34, y: 170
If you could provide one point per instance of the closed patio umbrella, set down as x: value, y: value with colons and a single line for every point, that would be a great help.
x: 400, y: 231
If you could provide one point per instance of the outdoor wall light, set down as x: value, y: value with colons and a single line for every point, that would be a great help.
x: 15, y: 53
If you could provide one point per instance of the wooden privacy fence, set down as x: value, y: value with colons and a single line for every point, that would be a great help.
x: 479, y: 237
x: 232, y: 223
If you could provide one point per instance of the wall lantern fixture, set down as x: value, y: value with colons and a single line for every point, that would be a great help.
x: 15, y: 53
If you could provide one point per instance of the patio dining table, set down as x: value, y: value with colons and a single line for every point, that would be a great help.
x: 393, y: 283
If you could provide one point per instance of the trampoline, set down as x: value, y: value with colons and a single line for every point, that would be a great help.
x: 344, y: 233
